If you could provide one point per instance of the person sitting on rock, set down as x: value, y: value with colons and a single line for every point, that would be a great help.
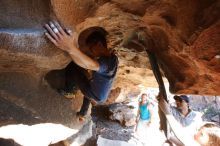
x: 96, y: 57
x: 144, y: 116
x: 207, y: 135
x: 187, y: 118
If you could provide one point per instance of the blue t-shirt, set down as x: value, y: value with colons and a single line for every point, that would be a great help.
x: 144, y: 112
x: 101, y: 82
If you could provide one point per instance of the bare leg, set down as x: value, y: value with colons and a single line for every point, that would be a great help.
x: 85, y: 106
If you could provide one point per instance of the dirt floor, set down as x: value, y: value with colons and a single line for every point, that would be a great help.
x: 112, y: 130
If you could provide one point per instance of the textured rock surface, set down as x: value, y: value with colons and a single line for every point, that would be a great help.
x: 125, y: 114
x: 184, y: 35
x: 202, y: 102
x: 208, y: 105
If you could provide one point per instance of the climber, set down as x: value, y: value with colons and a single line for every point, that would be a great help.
x: 96, y: 58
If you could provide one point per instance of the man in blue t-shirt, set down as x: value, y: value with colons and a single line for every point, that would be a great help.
x: 94, y: 56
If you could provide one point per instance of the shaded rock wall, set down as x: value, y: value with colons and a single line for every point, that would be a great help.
x: 176, y: 29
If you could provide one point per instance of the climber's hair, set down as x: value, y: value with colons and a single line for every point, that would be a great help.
x: 96, y: 37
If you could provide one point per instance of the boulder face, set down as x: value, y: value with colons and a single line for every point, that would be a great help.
x: 183, y: 35
x: 177, y: 32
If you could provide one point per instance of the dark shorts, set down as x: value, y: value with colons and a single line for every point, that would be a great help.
x: 76, y: 76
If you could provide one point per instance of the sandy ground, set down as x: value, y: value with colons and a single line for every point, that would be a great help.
x: 114, y: 131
